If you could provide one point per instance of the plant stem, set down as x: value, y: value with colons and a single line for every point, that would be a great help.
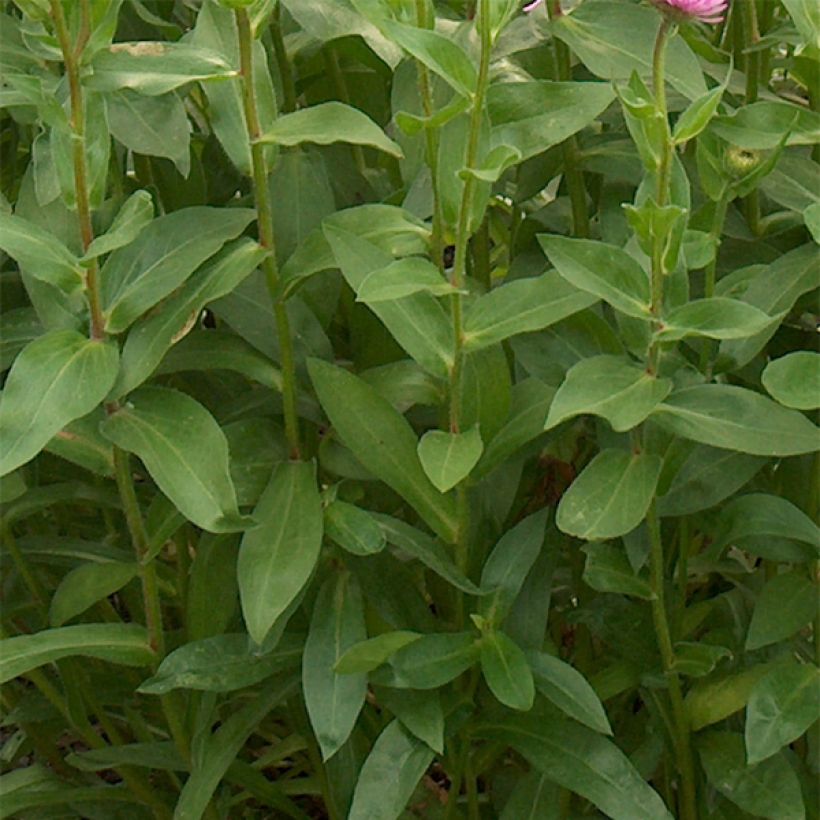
x: 708, y: 349
x: 572, y: 172
x: 431, y: 138
x: 683, y: 751
x: 264, y: 221
x: 282, y: 62
x: 77, y: 122
x: 335, y: 69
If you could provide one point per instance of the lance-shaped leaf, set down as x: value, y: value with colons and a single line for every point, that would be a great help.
x: 403, y: 278
x: 716, y: 318
x: 521, y: 307
x: 152, y: 336
x: 40, y: 253
x: 185, y: 452
x: 582, y: 761
x: 368, y: 655
x: 390, y: 775
x: 607, y: 569
x: 87, y: 584
x: 506, y: 671
x: 278, y: 556
x: 221, y: 663
x: 782, y: 706
x: 507, y: 567
x: 533, y: 116
x: 382, y: 440
x: 440, y: 53
x: 327, y: 123
x: 334, y: 700
x: 771, y: 620
x: 769, y: 789
x: 116, y: 643
x: 794, y: 379
x: 569, y: 690
x: 155, y: 67
x: 418, y: 322
x: 734, y: 418
x: 420, y: 712
x: 136, y: 212
x: 55, y: 379
x: 434, y: 660
x: 163, y: 256
x: 353, y: 529
x: 611, y: 387
x: 447, y: 458
x: 606, y: 271
x: 611, y: 496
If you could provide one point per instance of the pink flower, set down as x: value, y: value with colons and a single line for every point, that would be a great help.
x: 707, y: 11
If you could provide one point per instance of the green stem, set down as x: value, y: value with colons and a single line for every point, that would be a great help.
x: 752, y: 36
x: 572, y: 172
x: 719, y: 218
x: 431, y: 139
x: 681, y: 737
x: 283, y: 63
x: 335, y: 69
x: 264, y: 221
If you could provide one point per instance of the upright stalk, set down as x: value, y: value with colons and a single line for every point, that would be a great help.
x: 572, y: 172
x: 264, y: 221
x: 751, y: 37
x: 459, y: 272
x: 681, y: 733
x: 431, y: 138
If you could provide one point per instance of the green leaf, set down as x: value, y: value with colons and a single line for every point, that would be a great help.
x: 613, y: 39
x: 506, y: 671
x: 534, y: 797
x: 611, y: 496
x: 759, y: 515
x: 162, y: 257
x: 612, y: 387
x: 806, y: 17
x: 716, y: 318
x: 365, y: 656
x: 403, y: 278
x: 334, y: 700
x: 382, y: 440
x: 221, y: 663
x: 498, y: 160
x: 706, y: 478
x: 154, y: 126
x: 606, y: 271
x: 440, y: 53
x: 734, y: 418
x: 427, y: 550
x: 507, y: 567
x: 86, y: 585
x: 772, y: 620
x: 55, y: 379
x: 418, y: 322
x: 353, y: 529
x: 569, y: 690
x: 714, y: 700
x: 125, y: 644
x: 184, y: 450
x: 811, y: 216
x: 41, y: 254
x: 212, y: 589
x: 783, y: 705
x: 794, y: 379
x: 134, y: 214
x: 698, y: 115
x: 419, y: 712
x: 219, y: 750
x: 582, y: 761
x: 533, y: 116
x: 160, y: 755
x: 278, y: 556
x: 434, y: 660
x: 698, y: 659
x: 763, y: 125
x: 520, y: 307
x: 607, y: 569
x: 448, y: 458
x: 770, y: 789
x: 154, y: 67
x: 389, y: 775
x: 152, y: 336
x: 327, y: 123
